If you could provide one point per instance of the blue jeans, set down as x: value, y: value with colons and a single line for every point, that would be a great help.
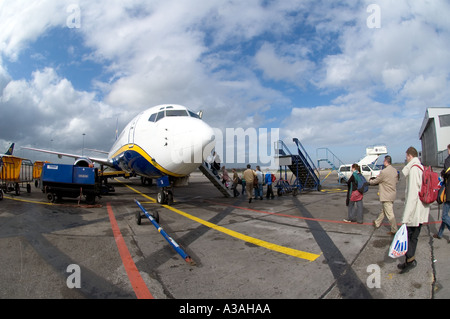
x: 259, y: 190
x: 355, y: 211
x: 445, y: 218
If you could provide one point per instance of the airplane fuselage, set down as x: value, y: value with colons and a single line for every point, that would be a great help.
x: 163, y: 140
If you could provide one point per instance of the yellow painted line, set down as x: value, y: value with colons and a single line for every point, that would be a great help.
x: 232, y: 233
x: 28, y: 201
x: 333, y: 190
x: 52, y: 204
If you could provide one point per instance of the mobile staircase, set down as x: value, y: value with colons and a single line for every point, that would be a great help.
x: 215, y: 181
x: 325, y: 155
x: 300, y: 164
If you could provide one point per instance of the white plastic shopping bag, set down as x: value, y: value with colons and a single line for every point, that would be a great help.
x: 399, y: 245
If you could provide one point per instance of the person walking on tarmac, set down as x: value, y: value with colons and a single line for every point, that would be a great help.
x: 236, y: 180
x: 354, y: 198
x: 259, y: 185
x: 415, y: 212
x: 387, y: 181
x: 446, y: 207
x: 268, y: 180
x: 249, y: 176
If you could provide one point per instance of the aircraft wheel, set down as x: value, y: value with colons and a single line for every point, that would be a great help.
x: 161, y: 197
x: 169, y: 198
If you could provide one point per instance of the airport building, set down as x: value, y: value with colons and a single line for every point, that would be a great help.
x: 435, y: 136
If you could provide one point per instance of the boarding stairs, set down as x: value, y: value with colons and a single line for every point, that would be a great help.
x: 300, y: 164
x: 325, y: 155
x: 215, y: 181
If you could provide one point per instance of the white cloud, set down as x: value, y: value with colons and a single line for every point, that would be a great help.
x: 23, y: 21
x: 48, y: 108
x: 286, y: 67
x: 210, y: 55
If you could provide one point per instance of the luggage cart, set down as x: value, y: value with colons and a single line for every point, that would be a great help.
x: 1, y: 167
x: 15, y: 173
x: 37, y: 172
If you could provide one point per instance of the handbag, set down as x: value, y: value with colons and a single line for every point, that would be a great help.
x: 399, y: 245
x: 442, y: 193
x: 255, y: 181
x: 356, y: 196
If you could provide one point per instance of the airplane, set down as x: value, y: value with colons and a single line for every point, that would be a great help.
x: 165, y: 142
x: 9, y: 152
x: 10, y: 149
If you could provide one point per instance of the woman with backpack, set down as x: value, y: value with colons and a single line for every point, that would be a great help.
x: 354, y: 197
x: 415, y: 212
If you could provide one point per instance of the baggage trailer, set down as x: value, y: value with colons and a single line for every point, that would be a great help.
x: 1, y: 167
x: 61, y: 180
x: 14, y: 173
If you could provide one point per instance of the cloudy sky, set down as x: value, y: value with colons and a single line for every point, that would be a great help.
x: 336, y: 74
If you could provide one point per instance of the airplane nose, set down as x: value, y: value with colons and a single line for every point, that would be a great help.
x: 192, y: 143
x: 202, y: 141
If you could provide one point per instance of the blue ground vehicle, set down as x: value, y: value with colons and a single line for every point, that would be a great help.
x: 61, y: 180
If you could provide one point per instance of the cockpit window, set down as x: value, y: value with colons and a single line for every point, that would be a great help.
x: 160, y: 115
x: 170, y: 112
x: 192, y: 114
x: 152, y: 117
x: 176, y: 113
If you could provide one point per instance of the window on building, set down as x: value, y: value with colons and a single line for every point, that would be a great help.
x: 444, y: 120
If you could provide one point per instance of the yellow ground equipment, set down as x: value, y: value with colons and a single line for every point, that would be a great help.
x: 14, y: 173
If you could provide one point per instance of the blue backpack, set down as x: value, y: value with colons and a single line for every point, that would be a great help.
x: 361, y: 180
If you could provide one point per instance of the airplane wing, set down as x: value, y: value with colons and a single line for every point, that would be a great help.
x: 103, y: 161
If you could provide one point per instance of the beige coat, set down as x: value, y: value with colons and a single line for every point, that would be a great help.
x: 387, y: 181
x: 249, y: 175
x: 415, y: 211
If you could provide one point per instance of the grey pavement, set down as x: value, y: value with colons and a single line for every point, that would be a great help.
x: 39, y: 241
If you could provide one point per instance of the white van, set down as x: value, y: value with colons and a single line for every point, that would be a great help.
x: 369, y: 171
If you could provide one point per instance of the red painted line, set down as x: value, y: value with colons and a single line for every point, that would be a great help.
x: 283, y: 215
x: 138, y: 284
x: 301, y: 217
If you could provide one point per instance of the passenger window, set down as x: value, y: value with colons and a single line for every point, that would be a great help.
x: 152, y: 117
x: 160, y: 115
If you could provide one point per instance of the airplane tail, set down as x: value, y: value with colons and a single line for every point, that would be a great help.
x: 10, y: 150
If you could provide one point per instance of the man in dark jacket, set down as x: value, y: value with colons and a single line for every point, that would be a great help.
x: 446, y: 207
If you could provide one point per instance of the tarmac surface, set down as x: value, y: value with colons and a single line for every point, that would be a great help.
x: 291, y: 247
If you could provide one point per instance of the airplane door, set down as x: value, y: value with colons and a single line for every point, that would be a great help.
x: 132, y: 131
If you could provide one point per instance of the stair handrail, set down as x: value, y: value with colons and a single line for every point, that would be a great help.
x: 282, y: 148
x: 332, y: 162
x: 213, y: 178
x: 327, y: 157
x: 306, y: 156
